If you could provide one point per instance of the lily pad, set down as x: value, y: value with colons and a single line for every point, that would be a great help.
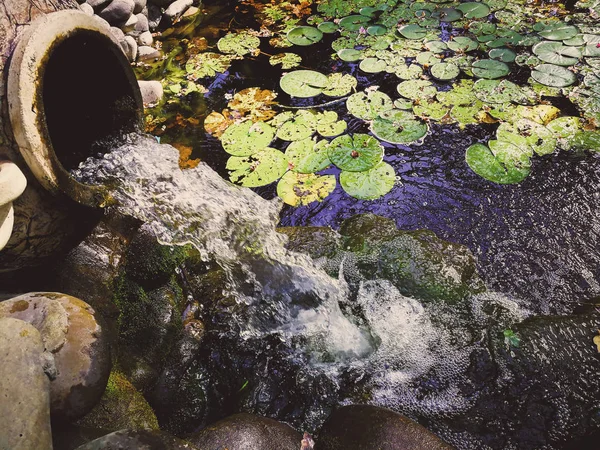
x: 304, y: 35
x: 371, y: 184
x: 354, y: 22
x: 339, y: 84
x: 328, y: 27
x: 431, y: 109
x: 303, y: 83
x: 259, y: 169
x: 474, y: 10
x: 355, y: 153
x: 503, y: 91
x: 239, y: 44
x: 297, y: 189
x: 207, y: 64
x: 412, y: 31
x: 427, y: 58
x: 377, y: 30
x: 416, y: 89
x: 372, y: 65
x: 295, y: 130
x: 246, y: 138
x: 559, y: 32
x: 486, y: 164
x: 287, y: 60
x: 444, y: 71
x: 436, y: 46
x: 308, y: 156
x: 462, y: 44
x: 556, y: 53
x: 489, y: 69
x: 398, y: 127
x: 368, y: 105
x: 350, y: 54
x: 553, y: 75
x: 502, y: 54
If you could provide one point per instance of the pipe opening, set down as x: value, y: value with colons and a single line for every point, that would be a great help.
x: 87, y: 97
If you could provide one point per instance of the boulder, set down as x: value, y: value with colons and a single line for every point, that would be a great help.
x: 130, y: 48
x: 130, y: 24
x: 152, y: 91
x: 139, y: 440
x: 78, y: 359
x: 24, y: 388
x: 175, y: 11
x: 317, y: 242
x: 146, y: 53
x: 117, y: 12
x: 139, y: 6
x: 121, y: 406
x: 142, y: 24
x: 117, y: 33
x: 365, y: 427
x: 247, y: 431
x: 98, y: 5
x: 146, y: 38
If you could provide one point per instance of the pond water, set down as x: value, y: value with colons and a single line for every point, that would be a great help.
x: 528, y: 214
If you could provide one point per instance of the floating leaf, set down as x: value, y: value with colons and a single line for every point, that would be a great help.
x: 503, y: 91
x: 412, y: 31
x: 371, y: 184
x: 354, y: 23
x: 295, y: 130
x: 444, y: 71
x: 411, y: 72
x: 259, y: 169
x: 474, y: 10
x: 216, y: 123
x: 308, y: 156
x: 207, y: 64
x: 303, y: 83
x: 489, y: 69
x: 328, y: 27
x: 287, y: 60
x: 552, y: 75
x: 416, y: 89
x: 372, y: 65
x: 462, y: 44
x: 304, y: 35
x: 436, y: 46
x: 556, y: 53
x: 447, y: 14
x: 527, y: 133
x: 502, y: 54
x: 398, y: 127
x: 332, y: 129
x: 246, y: 138
x: 239, y: 44
x: 369, y: 105
x: 484, y: 163
x: 427, y: 58
x: 431, y: 109
x: 559, y: 32
x: 377, y: 30
x: 355, y: 153
x: 297, y: 189
x: 349, y: 54
x: 254, y: 103
x: 339, y: 84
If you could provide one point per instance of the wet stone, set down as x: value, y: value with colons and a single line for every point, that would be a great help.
x: 247, y: 431
x: 175, y: 11
x: 139, y: 6
x: 146, y: 53
x: 130, y: 48
x: 137, y: 439
x: 117, y: 12
x: 317, y: 242
x: 145, y: 39
x: 98, y: 4
x: 87, y: 8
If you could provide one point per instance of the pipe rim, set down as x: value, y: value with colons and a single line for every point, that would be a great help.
x: 25, y: 102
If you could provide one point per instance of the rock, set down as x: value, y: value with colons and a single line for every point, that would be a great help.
x: 138, y: 439
x: 130, y: 48
x: 139, y: 6
x: 86, y: 8
x: 117, y: 33
x: 142, y: 24
x: 146, y: 39
x: 365, y: 427
x: 75, y: 344
x: 175, y: 11
x: 102, y: 22
x: 130, y: 24
x: 152, y: 91
x: 317, y: 242
x: 121, y: 406
x: 69, y: 436
x: 190, y: 13
x: 98, y: 5
x: 117, y: 12
x: 247, y: 431
x: 12, y: 185
x: 146, y: 53
x: 154, y: 16
x: 24, y: 388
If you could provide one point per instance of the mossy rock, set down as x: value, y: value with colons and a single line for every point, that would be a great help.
x: 121, y: 406
x: 366, y: 226
x: 317, y: 242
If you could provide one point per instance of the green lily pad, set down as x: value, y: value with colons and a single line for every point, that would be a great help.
x: 398, y: 127
x: 431, y: 109
x: 405, y: 72
x: 565, y: 127
x: 368, y: 105
x: 372, y: 65
x: 462, y: 44
x: 339, y: 84
x: 525, y: 133
x: 377, y: 30
x: 503, y: 91
x: 287, y: 60
x: 402, y: 103
x: 370, y: 184
x: 576, y: 41
x: 436, y: 46
x: 416, y: 89
x: 412, y: 31
x: 355, y: 153
x: 591, y: 50
x: 304, y: 35
x: 503, y: 54
x: 349, y: 54
x: 427, y: 58
x: 489, y: 69
x: 486, y: 164
x: 303, y: 83
x: 297, y: 189
x: 308, y: 156
x: 474, y: 10
x: 295, y: 130
x: 331, y: 128
x: 559, y: 32
x: 553, y: 75
x: 355, y: 22
x: 259, y: 169
x: 556, y: 53
x: 246, y: 138
x: 239, y: 44
x: 444, y: 71
x: 327, y: 27
x: 586, y: 141
x: 447, y: 14
x: 207, y: 64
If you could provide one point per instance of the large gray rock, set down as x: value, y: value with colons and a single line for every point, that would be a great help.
x: 152, y: 91
x: 364, y: 427
x: 175, y: 11
x: 142, y: 24
x: 145, y: 38
x: 24, y: 388
x: 75, y: 346
x: 247, y: 431
x: 139, y: 6
x: 118, y: 12
x: 138, y: 440
x: 146, y: 53
x: 130, y: 48
x: 98, y: 5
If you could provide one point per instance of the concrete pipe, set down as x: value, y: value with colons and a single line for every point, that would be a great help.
x: 70, y: 90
